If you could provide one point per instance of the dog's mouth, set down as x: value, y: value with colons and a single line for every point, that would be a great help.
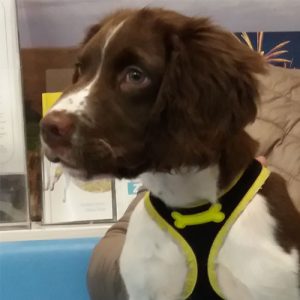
x: 96, y: 159
x: 82, y: 174
x: 71, y: 168
x: 71, y: 165
x: 60, y: 157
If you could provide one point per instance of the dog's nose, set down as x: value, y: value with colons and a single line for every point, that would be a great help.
x: 57, y: 129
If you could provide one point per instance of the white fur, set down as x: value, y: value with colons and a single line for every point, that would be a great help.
x: 75, y: 102
x: 151, y: 264
x: 254, y: 261
x: 184, y: 189
x: 250, y: 265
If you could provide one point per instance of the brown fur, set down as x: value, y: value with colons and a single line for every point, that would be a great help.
x: 283, y: 210
x: 202, y: 94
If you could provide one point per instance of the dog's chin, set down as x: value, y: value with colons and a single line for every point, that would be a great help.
x: 84, y: 175
x: 72, y: 169
x: 101, y: 168
x: 75, y: 173
x: 50, y: 155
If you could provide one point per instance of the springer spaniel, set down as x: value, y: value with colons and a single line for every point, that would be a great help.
x: 167, y: 97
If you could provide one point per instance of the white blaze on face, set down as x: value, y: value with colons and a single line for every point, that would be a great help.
x: 75, y: 102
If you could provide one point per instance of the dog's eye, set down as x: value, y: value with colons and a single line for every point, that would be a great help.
x: 133, y: 78
x: 136, y: 76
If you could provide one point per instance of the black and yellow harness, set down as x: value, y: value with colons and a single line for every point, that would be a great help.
x: 201, y: 231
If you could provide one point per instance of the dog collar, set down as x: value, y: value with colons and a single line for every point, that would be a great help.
x: 201, y: 231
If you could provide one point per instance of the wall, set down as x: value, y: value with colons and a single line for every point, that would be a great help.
x: 44, y: 23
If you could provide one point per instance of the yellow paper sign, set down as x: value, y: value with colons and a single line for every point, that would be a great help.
x: 48, y: 99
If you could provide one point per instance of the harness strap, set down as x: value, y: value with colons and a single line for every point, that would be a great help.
x: 200, y: 231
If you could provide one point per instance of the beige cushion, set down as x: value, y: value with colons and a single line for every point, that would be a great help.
x: 277, y: 127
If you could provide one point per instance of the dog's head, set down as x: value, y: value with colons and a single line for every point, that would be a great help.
x: 153, y: 91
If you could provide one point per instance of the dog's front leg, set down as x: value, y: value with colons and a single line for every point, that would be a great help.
x: 232, y: 288
x: 151, y: 264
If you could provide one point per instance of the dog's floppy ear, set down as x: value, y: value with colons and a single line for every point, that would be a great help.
x: 208, y: 93
x: 209, y: 86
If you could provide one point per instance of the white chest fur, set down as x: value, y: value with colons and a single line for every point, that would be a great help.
x: 250, y: 265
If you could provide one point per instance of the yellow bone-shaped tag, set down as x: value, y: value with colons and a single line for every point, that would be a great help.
x: 213, y: 214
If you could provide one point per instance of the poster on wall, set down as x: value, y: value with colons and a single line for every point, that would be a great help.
x: 281, y: 49
x: 126, y: 190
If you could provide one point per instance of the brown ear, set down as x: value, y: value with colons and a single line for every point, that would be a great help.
x: 209, y: 90
x: 211, y: 75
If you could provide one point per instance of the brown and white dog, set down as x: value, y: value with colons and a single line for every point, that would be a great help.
x: 166, y: 97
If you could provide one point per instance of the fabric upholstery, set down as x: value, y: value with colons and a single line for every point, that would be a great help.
x: 45, y: 270
x: 277, y: 127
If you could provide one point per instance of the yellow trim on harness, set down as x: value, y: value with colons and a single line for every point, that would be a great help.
x: 189, y: 253
x: 218, y: 242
